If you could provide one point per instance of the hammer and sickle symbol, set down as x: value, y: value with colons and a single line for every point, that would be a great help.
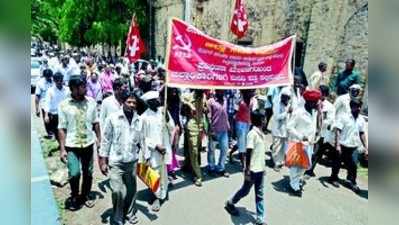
x: 184, y: 45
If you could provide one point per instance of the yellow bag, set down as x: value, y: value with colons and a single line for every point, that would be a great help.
x: 149, y: 176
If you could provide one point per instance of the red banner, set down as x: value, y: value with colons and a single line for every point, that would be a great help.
x: 195, y: 60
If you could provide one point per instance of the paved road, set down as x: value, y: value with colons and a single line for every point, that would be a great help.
x: 321, y: 204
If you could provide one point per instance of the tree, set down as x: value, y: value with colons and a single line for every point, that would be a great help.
x: 45, y: 19
x: 89, y: 22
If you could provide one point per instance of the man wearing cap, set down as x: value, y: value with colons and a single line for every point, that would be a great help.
x: 40, y: 96
x: 281, y: 111
x: 347, y: 78
x: 350, y: 135
x: 302, y: 127
x: 121, y: 143
x: 342, y: 102
x: 55, y: 95
x: 78, y: 129
x: 327, y: 134
x: 157, y: 129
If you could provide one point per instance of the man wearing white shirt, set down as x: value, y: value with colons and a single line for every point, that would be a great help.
x: 350, y: 135
x: 157, y: 131
x: 281, y: 111
x: 44, y: 65
x: 301, y: 127
x: 40, y: 96
x: 342, y: 103
x: 297, y: 96
x: 53, y: 62
x: 122, y: 140
x: 55, y: 95
x: 272, y: 93
x: 254, y: 170
x: 327, y: 135
x: 67, y: 69
x: 114, y: 102
x: 319, y: 77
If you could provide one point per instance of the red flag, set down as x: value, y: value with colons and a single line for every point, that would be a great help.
x: 239, y: 23
x: 134, y: 43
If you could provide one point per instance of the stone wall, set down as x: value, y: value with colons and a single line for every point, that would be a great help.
x: 337, y: 30
x: 330, y: 30
x: 164, y: 10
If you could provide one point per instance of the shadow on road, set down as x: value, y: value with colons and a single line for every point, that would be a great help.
x: 97, y: 195
x: 106, y: 216
x: 104, y: 185
x: 324, y: 182
x: 143, y: 209
x: 188, y: 179
x: 244, y: 218
x: 364, y: 194
x: 281, y: 185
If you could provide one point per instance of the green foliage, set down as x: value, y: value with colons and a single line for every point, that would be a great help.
x: 45, y: 18
x: 86, y: 22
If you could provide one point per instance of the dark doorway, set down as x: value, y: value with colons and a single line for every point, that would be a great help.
x: 246, y: 42
x: 299, y: 53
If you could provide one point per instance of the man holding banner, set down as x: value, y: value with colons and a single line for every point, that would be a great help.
x: 157, y: 139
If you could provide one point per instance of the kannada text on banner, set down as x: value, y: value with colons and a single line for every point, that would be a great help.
x: 195, y: 60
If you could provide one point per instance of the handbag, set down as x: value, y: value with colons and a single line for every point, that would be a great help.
x: 149, y: 176
x: 296, y: 156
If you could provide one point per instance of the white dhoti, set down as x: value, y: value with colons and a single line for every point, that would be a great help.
x: 279, y: 148
x: 164, y: 182
x: 296, y: 173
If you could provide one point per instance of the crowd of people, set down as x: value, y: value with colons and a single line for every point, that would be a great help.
x: 120, y: 113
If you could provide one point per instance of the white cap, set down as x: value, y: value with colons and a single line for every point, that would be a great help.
x: 150, y: 95
x: 355, y: 86
x: 286, y: 91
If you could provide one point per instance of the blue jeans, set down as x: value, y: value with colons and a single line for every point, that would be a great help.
x: 257, y: 179
x: 242, y: 130
x: 223, y: 139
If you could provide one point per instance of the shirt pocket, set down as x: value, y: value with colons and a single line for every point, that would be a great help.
x: 118, y: 133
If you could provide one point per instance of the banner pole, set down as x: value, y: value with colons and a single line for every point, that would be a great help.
x: 165, y: 106
x: 294, y: 55
x: 293, y: 68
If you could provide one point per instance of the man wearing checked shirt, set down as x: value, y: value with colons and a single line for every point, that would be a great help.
x: 78, y: 129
